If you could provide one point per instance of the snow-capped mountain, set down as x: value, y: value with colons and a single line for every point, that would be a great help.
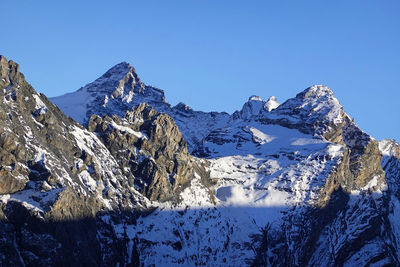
x: 120, y: 89
x: 148, y: 184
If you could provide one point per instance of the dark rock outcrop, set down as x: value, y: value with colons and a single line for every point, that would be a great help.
x: 151, y: 151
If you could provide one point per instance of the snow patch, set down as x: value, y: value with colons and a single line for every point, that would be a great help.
x: 129, y: 130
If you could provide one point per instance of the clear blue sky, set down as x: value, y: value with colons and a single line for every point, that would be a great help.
x: 213, y: 55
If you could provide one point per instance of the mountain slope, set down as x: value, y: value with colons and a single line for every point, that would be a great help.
x: 291, y: 184
x: 57, y: 179
x: 293, y: 180
x: 52, y: 170
x: 120, y: 89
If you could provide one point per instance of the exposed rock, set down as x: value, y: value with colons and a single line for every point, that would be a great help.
x: 52, y: 172
x: 120, y: 89
x: 149, y: 146
x: 296, y: 184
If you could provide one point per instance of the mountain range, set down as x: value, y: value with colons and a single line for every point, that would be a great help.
x: 113, y: 175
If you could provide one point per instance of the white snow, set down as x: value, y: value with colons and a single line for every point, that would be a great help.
x: 261, y: 172
x: 74, y: 104
x: 87, y: 180
x: 129, y: 130
x: 34, y: 200
x: 39, y: 102
x: 255, y: 98
x: 389, y: 148
x: 128, y: 98
x: 85, y: 140
x: 306, y: 141
x: 271, y: 103
x: 261, y: 137
x: 252, y: 107
x: 251, y: 191
x: 266, y: 139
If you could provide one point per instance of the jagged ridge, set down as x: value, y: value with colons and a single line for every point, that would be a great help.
x: 296, y: 184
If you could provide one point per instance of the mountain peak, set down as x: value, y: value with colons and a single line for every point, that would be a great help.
x: 271, y: 103
x: 119, y: 72
x: 9, y: 73
x: 255, y: 98
x: 121, y: 67
x: 315, y: 91
x: 303, y: 184
x: 313, y: 110
x: 183, y: 107
x: 114, y: 92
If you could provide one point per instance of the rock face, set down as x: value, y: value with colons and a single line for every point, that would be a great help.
x: 150, y: 149
x: 117, y: 90
x: 291, y: 184
x: 63, y: 189
x: 120, y: 89
x: 350, y: 180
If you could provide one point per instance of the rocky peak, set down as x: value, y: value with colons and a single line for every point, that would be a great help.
x: 115, y: 92
x: 315, y: 110
x: 34, y: 134
x: 72, y: 196
x: 183, y: 107
x: 389, y: 148
x: 9, y: 73
x: 120, y: 89
x: 120, y: 69
x: 4, y: 72
x: 151, y: 150
x: 271, y: 104
x: 117, y: 81
x: 254, y: 106
x: 250, y: 109
x: 315, y: 92
x: 255, y: 98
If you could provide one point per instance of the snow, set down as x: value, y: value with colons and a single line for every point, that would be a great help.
x: 252, y: 107
x: 255, y: 98
x: 306, y: 141
x: 129, y: 130
x: 29, y: 199
x: 39, y: 103
x: 85, y: 140
x: 372, y: 183
x: 315, y: 104
x: 196, y: 195
x: 267, y: 139
x: 271, y: 103
x: 40, y: 156
x: 363, y: 256
x: 334, y: 150
x: 261, y: 137
x: 106, y: 165
x: 128, y: 98
x: 87, y: 180
x: 110, y: 94
x: 74, y: 104
x: 389, y: 148
x: 263, y: 173
x: 4, y: 198
x: 252, y: 190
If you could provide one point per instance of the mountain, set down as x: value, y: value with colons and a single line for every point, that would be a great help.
x: 130, y: 180
x: 120, y: 89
